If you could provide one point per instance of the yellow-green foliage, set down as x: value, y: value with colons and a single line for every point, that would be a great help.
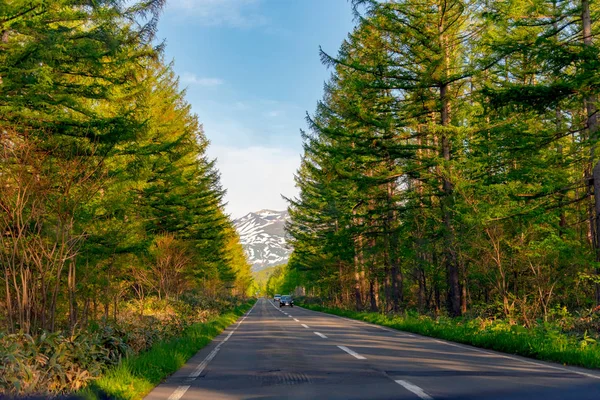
x: 283, y: 280
x: 262, y: 277
x: 239, y: 264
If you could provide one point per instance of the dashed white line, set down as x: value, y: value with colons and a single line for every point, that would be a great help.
x: 361, y: 322
x: 304, y: 325
x: 402, y: 333
x: 289, y: 315
x: 296, y: 320
x: 178, y: 393
x: 352, y: 353
x: 516, y: 359
x: 320, y: 334
x: 415, y: 389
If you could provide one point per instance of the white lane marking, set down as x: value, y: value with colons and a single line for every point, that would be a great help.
x: 352, y: 353
x: 320, y: 334
x: 228, y: 336
x: 296, y: 320
x: 178, y: 393
x: 289, y: 315
x: 415, y: 389
x: 402, y: 333
x: 516, y: 359
x: 304, y: 325
x: 359, y: 322
x: 196, y: 373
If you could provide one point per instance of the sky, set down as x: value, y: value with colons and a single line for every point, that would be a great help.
x: 252, y: 71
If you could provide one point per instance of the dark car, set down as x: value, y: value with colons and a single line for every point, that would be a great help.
x: 286, y: 301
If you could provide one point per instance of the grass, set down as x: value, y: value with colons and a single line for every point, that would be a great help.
x: 544, y: 342
x: 136, y: 376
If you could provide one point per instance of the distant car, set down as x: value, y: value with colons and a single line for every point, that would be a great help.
x: 286, y: 301
x: 277, y: 297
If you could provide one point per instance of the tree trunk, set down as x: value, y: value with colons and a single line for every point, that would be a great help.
x: 592, y: 125
x: 72, y: 299
x: 372, y: 295
x: 451, y: 258
x: 357, y: 269
x: 463, y: 298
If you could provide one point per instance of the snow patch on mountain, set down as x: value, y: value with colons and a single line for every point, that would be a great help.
x: 262, y: 234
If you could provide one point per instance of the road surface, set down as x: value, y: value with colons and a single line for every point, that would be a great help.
x: 296, y: 353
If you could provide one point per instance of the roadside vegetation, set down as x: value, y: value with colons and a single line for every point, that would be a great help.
x: 452, y: 170
x: 136, y: 376
x: 563, y: 339
x: 113, y: 236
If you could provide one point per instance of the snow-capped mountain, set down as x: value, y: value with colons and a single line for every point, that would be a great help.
x: 262, y: 234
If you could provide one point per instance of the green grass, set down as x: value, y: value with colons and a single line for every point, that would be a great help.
x: 544, y: 342
x: 136, y: 376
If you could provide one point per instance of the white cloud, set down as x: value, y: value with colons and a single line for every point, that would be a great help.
x: 192, y: 79
x: 272, y: 114
x: 256, y: 177
x: 234, y: 13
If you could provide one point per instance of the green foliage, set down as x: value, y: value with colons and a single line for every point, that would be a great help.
x: 107, y: 192
x: 262, y: 277
x: 449, y: 163
x: 108, y: 200
x: 282, y: 280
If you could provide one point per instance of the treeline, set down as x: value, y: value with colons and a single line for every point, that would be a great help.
x: 453, y: 163
x: 106, y: 192
x: 284, y: 280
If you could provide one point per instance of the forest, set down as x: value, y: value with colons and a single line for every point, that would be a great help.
x: 113, y: 234
x: 452, y: 165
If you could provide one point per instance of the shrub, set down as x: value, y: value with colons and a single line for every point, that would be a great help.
x: 50, y: 362
x: 57, y: 363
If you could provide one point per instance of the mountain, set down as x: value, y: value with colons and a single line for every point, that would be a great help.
x: 262, y: 234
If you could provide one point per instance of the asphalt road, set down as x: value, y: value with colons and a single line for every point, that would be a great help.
x: 296, y: 353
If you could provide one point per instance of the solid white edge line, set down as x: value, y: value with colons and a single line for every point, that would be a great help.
x: 352, y: 353
x: 415, y: 389
x: 196, y: 373
x: 475, y: 349
x: 320, y: 334
x: 304, y: 325
x: 179, y: 392
x: 515, y: 358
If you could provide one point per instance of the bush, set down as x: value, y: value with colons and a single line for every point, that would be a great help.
x: 51, y: 362
x: 135, y: 376
x: 58, y: 363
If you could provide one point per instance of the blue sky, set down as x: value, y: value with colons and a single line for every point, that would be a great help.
x: 252, y: 71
